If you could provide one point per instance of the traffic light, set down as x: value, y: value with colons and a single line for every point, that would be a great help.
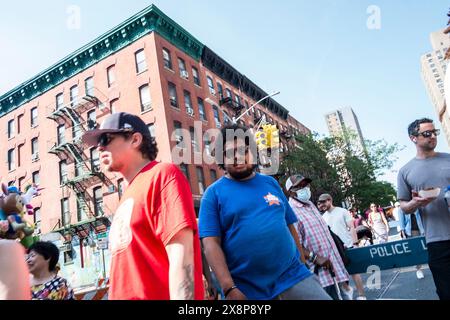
x: 261, y: 139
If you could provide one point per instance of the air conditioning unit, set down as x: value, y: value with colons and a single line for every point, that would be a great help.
x: 185, y: 74
x: 213, y: 91
x: 35, y: 156
x: 173, y: 101
x: 190, y: 111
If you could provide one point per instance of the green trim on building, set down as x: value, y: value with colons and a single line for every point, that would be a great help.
x: 148, y: 20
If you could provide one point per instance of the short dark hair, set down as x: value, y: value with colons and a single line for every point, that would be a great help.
x: 219, y: 154
x: 413, y: 128
x: 48, y: 250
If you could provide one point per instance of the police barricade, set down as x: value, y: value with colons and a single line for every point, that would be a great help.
x: 388, y: 255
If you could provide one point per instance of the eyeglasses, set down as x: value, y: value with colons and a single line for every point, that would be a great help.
x: 429, y: 133
x: 106, y: 138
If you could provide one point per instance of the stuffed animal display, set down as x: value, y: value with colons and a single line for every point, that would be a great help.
x: 13, y: 206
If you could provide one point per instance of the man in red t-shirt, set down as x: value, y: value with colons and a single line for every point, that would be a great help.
x: 154, y: 240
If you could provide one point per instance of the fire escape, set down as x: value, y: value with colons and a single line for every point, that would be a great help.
x: 87, y: 171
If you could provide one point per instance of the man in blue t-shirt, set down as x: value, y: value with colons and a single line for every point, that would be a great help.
x: 246, y: 226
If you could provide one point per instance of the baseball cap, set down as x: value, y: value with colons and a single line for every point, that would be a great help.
x: 116, y: 122
x: 325, y: 197
x: 294, y: 180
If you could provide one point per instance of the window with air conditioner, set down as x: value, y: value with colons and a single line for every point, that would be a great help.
x: 188, y: 103
x: 178, y: 134
x: 173, y: 95
x: 34, y: 149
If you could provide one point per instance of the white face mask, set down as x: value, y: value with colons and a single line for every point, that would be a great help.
x: 304, y: 194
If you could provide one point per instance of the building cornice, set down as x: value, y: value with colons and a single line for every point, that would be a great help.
x: 151, y: 19
x: 225, y: 71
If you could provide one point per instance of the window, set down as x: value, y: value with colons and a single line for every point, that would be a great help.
x: 201, y: 109
x: 229, y: 94
x: 210, y: 85
x: 173, y: 95
x: 34, y: 114
x: 141, y: 64
x: 238, y: 100
x: 182, y: 67
x: 151, y: 128
x: 77, y: 129
x: 92, y: 120
x: 19, y: 123
x: 178, y: 134
x: 226, y: 118
x: 111, y: 74
x: 78, y: 167
x: 61, y: 134
x: 34, y: 149
x: 11, y: 163
x: 194, y: 143
x: 65, y: 212
x: 89, y: 86
x: 74, y: 96
x: 216, y: 116
x: 98, y: 201
x: 220, y: 89
x: 11, y: 183
x: 62, y: 172
x: 59, y: 101
x: 19, y: 153
x: 35, y: 177
x: 144, y: 94
x: 188, y: 103
x: 120, y: 187
x: 21, y: 181
x: 201, y: 180
x: 11, y: 128
x: 167, y: 59
x: 195, y: 76
x: 95, y: 160
x: 185, y: 170
x: 37, y: 215
x: 81, y: 206
x: 207, y: 141
x: 113, y: 105
x: 213, y: 175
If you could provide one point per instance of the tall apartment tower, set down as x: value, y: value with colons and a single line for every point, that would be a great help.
x: 344, y: 118
x: 433, y: 67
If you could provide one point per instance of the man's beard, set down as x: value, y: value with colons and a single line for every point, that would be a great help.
x: 241, y: 175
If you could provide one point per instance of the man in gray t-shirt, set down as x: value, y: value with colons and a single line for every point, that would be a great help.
x: 428, y: 170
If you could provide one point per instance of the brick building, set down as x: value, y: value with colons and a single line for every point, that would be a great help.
x: 148, y: 65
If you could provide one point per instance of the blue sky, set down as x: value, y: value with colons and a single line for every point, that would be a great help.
x: 319, y: 54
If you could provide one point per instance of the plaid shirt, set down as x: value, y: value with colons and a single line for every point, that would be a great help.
x: 315, y: 236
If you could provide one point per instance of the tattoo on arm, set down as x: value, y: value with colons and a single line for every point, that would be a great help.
x: 186, y: 287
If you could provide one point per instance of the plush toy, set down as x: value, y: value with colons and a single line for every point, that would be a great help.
x: 13, y: 205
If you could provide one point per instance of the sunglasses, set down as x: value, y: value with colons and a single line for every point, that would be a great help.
x: 106, y: 138
x: 429, y: 133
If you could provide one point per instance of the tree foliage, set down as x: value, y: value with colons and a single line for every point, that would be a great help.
x: 345, y: 167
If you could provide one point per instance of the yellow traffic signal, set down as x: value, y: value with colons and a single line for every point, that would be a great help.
x: 261, y: 139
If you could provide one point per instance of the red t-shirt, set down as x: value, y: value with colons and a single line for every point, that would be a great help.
x: 156, y: 205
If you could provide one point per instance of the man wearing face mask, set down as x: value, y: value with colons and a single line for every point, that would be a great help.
x: 341, y: 223
x: 318, y: 245
x: 246, y: 226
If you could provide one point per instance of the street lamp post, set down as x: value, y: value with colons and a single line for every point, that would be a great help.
x: 253, y: 105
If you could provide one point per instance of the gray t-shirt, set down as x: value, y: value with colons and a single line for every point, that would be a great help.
x: 419, y: 174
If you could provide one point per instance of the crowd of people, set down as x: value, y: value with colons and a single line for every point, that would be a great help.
x: 251, y: 241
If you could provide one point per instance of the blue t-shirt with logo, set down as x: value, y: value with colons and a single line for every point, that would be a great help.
x: 251, y: 217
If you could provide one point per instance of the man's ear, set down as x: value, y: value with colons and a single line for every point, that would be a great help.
x: 136, y: 139
x: 413, y: 139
